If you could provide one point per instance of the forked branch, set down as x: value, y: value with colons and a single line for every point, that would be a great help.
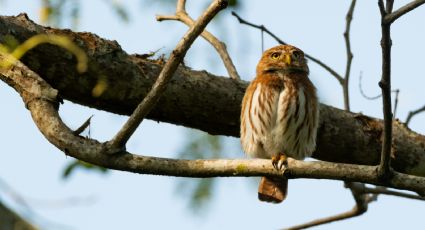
x: 182, y: 16
x: 390, y: 18
x: 118, y: 142
x: 384, y: 170
x: 413, y: 113
x: 40, y: 99
x: 387, y: 18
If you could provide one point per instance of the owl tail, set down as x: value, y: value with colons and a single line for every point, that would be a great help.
x: 272, y: 190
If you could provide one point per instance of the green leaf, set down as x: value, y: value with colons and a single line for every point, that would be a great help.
x: 77, y: 164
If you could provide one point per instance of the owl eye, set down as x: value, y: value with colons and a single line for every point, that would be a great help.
x: 296, y: 54
x: 275, y: 55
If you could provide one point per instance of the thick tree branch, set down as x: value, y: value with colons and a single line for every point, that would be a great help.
x: 343, y: 137
x: 40, y: 99
x: 121, y: 138
x: 182, y: 16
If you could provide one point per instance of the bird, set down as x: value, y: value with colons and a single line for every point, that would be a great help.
x: 279, y: 115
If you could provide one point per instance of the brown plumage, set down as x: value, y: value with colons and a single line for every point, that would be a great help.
x: 279, y: 114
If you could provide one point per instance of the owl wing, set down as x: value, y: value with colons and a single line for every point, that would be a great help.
x: 258, y: 116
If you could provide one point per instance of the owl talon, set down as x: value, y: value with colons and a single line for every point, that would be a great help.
x: 279, y: 162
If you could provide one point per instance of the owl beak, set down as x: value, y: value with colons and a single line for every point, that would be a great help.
x: 287, y: 59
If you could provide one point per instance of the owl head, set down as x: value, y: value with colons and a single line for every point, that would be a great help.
x: 282, y: 59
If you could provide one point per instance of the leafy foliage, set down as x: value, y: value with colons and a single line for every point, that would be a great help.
x: 77, y: 164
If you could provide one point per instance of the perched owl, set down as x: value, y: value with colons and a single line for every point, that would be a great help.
x: 280, y: 115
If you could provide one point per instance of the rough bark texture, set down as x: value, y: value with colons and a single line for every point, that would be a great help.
x: 197, y: 99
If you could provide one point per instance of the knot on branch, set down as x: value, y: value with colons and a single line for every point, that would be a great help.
x: 223, y: 4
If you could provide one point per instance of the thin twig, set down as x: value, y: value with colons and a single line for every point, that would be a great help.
x: 345, y: 84
x: 390, y: 18
x: 83, y: 126
x: 362, y: 91
x: 385, y: 191
x: 385, y: 84
x: 361, y: 200
x: 413, y: 113
x: 395, y: 91
x: 342, y: 216
x: 280, y: 41
x: 121, y: 138
x: 182, y: 16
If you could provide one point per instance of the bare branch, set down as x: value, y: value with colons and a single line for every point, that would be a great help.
x: 345, y: 84
x: 382, y: 190
x: 342, y: 216
x: 385, y: 84
x: 361, y: 200
x: 389, y: 6
x: 182, y: 16
x: 181, y: 6
x: 343, y: 137
x: 83, y: 126
x: 390, y: 18
x: 317, y: 61
x: 381, y: 7
x: 363, y: 93
x: 387, y: 17
x: 413, y: 113
x: 395, y: 91
x: 121, y: 138
x: 326, y: 67
x: 40, y: 100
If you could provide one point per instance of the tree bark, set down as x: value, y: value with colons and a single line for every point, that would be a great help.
x: 197, y: 99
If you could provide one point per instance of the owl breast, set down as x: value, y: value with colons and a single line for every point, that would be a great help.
x: 277, y: 120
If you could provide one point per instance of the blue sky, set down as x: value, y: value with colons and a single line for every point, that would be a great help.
x: 121, y: 200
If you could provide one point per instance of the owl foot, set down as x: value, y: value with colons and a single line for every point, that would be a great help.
x: 279, y: 161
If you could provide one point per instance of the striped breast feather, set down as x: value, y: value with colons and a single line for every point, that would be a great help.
x: 298, y: 124
x: 257, y: 118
